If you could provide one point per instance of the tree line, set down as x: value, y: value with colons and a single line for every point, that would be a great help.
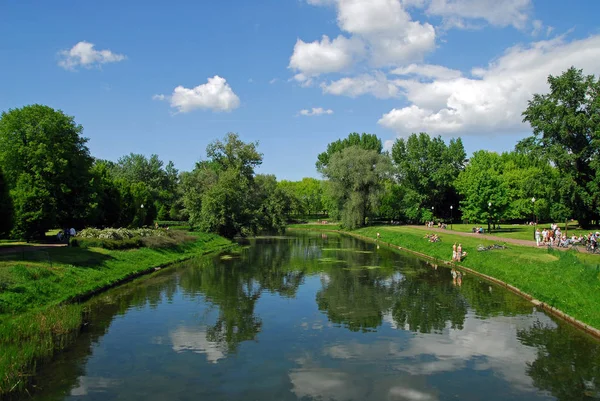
x: 49, y: 179
x: 552, y: 175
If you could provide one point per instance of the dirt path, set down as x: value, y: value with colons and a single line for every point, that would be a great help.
x: 7, y: 249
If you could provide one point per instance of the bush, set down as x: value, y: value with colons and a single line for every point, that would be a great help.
x: 122, y: 238
x: 121, y: 233
x: 111, y: 244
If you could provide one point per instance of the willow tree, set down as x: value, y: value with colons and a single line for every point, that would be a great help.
x: 355, y: 182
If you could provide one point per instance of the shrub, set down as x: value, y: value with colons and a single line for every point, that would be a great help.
x: 121, y: 233
x: 122, y: 238
x: 111, y: 244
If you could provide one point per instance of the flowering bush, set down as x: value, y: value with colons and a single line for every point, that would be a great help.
x: 121, y: 233
x: 123, y: 238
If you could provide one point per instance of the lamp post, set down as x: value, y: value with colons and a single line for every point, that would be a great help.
x: 489, y: 216
x: 432, y: 214
x: 451, y: 207
x: 142, y: 213
x: 533, y: 215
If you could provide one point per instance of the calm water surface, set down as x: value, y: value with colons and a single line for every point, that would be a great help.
x: 323, y: 317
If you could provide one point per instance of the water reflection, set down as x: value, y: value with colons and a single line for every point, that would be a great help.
x: 312, y: 317
x: 567, y: 364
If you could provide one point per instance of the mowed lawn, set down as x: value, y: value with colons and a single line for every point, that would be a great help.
x: 519, y: 231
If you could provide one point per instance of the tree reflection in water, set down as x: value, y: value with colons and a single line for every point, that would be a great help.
x: 360, y: 288
x: 567, y: 363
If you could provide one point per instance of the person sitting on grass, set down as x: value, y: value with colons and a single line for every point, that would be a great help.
x: 459, y: 253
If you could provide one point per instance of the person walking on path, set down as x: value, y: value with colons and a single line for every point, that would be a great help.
x: 538, y: 235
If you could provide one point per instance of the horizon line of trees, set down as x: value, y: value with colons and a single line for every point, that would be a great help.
x: 49, y: 179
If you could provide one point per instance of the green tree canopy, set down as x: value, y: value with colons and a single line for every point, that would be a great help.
x: 161, y: 180
x: 484, y: 191
x: 47, y: 167
x: 305, y: 196
x: 356, y: 178
x: 566, y: 129
x: 363, y: 141
x: 5, y: 208
x: 219, y: 195
x: 427, y: 168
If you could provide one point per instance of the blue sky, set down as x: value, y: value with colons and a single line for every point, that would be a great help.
x: 170, y: 77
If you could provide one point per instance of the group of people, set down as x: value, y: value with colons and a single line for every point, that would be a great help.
x: 554, y: 237
x: 477, y: 230
x: 432, y: 237
x: 66, y: 234
x: 458, y: 253
x: 431, y: 224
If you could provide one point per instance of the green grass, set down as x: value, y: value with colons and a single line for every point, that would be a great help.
x: 517, y: 231
x: 317, y: 226
x: 37, y: 313
x: 57, y: 275
x: 569, y: 281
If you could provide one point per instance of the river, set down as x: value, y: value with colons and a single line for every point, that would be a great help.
x: 319, y: 316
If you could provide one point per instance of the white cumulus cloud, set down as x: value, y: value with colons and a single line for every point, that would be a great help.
x: 499, y: 13
x: 493, y: 99
x: 314, y: 58
x: 375, y: 84
x: 392, y: 36
x: 158, y: 97
x: 381, y: 32
x: 427, y: 71
x: 315, y: 111
x: 214, y: 95
x: 83, y: 54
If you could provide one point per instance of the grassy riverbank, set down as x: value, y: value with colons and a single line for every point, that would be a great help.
x: 37, y: 316
x: 568, y: 281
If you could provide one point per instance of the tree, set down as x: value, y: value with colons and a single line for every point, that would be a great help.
x: 391, y: 206
x: 107, y: 197
x: 47, y: 168
x: 483, y: 189
x: 305, y: 196
x: 427, y: 169
x: 356, y: 179
x: 218, y: 194
x: 295, y: 204
x: 6, y: 209
x: 310, y: 192
x: 161, y: 181
x: 271, y: 204
x: 363, y: 141
x: 528, y: 176
x: 566, y: 129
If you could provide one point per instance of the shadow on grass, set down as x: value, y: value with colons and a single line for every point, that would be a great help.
x: 80, y: 257
x: 509, y: 230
